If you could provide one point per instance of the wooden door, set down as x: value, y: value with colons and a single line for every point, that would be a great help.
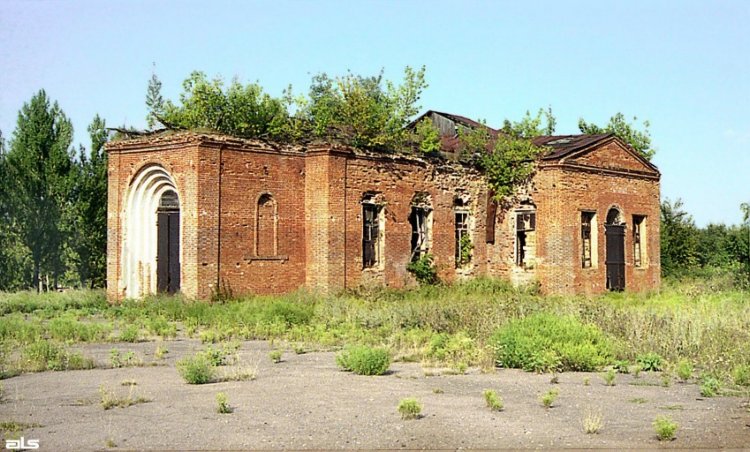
x: 168, y: 252
x: 615, y: 260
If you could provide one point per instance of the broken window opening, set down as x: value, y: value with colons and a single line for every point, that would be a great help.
x: 638, y: 245
x: 418, y: 219
x: 371, y: 234
x: 463, y: 239
x: 525, y: 225
x: 587, y: 245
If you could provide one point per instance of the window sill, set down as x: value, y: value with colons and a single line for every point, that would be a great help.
x: 267, y: 258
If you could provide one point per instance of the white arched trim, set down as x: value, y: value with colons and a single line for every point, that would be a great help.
x: 140, y: 235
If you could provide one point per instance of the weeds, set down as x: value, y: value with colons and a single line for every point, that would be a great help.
x: 47, y: 355
x: 684, y: 369
x: 130, y: 333
x: 275, y: 356
x: 549, y: 397
x: 437, y: 391
x: 649, y: 361
x: 741, y: 375
x: 109, y: 399
x: 710, y: 386
x: 592, y: 422
x: 638, y: 400
x: 160, y: 352
x: 409, y: 408
x: 196, y: 370
x: 665, y: 428
x: 222, y: 404
x: 363, y: 360
x: 545, y: 343
x: 586, y: 381
x: 494, y: 401
x: 129, y: 359
x: 609, y: 377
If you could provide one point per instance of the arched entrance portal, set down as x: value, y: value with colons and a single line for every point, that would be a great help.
x: 614, y: 230
x: 151, y: 241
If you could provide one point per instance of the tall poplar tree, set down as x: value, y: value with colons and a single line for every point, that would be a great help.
x: 87, y: 218
x: 38, y: 166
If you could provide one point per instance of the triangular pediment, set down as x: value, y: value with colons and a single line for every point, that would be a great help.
x: 613, y: 155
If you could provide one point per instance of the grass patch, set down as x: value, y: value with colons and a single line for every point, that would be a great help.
x: 609, y: 377
x: 684, y: 369
x: 109, y: 399
x: 196, y: 370
x: 15, y: 427
x: 494, y: 402
x: 665, y: 428
x: 409, y: 408
x: 592, y: 422
x: 549, y: 397
x: 48, y: 355
x: 710, y: 386
x: 638, y: 400
x: 222, y: 404
x: 275, y: 356
x: 545, y: 342
x: 364, y: 360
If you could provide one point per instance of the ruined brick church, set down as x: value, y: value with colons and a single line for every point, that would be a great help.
x: 199, y: 213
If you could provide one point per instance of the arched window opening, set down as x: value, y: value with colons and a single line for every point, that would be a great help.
x: 266, y: 222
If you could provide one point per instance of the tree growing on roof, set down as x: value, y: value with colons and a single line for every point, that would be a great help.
x: 639, y: 140
x: 531, y: 126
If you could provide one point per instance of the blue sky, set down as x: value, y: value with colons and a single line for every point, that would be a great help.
x: 682, y: 65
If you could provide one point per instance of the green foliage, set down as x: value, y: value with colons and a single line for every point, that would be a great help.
x: 86, y: 220
x: 424, y: 270
x: 494, y: 401
x: 465, y: 248
x: 362, y: 111
x: 679, y: 243
x: 130, y: 333
x: 741, y: 375
x: 222, y: 404
x: 609, y: 377
x: 684, y: 369
x: 409, y: 408
x: 275, y: 356
x: 627, y: 132
x: 427, y: 136
x: 650, y: 361
x: 364, y: 360
x: 454, y: 349
x: 549, y: 397
x: 622, y: 366
x: 238, y: 110
x: 110, y: 399
x: 545, y: 342
x: 531, y: 126
x: 37, y: 180
x: 196, y: 370
x: 665, y: 428
x: 48, y: 355
x: 710, y: 386
x: 510, y: 163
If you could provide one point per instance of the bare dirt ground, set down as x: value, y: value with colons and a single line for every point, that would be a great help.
x: 306, y: 402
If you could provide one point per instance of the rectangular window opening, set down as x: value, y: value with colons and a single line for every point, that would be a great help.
x: 525, y: 224
x: 638, y: 242
x: 463, y: 240
x: 587, y: 243
x: 420, y: 245
x: 371, y: 235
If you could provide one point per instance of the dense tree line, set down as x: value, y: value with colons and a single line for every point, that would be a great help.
x: 689, y: 250
x: 52, y: 202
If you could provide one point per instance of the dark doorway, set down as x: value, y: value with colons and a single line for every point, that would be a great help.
x: 168, y: 244
x: 614, y: 231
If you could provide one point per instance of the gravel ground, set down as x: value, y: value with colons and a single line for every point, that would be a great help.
x: 306, y: 402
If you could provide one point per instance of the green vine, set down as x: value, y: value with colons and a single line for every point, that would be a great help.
x: 465, y: 248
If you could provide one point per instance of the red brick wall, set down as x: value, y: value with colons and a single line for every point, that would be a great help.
x: 310, y: 235
x: 251, y: 172
x: 560, y: 196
